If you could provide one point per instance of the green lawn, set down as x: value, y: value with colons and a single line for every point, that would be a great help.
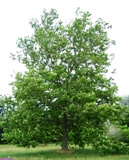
x: 53, y: 152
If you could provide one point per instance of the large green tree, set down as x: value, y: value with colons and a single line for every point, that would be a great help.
x: 64, y: 96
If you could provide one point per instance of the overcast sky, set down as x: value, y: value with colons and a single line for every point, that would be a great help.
x: 14, y: 23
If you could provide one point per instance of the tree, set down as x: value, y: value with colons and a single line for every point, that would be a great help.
x: 5, y: 109
x: 64, y: 95
x: 1, y: 129
x: 2, y: 110
x: 125, y: 101
x: 125, y: 104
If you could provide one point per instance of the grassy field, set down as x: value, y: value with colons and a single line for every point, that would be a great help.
x: 53, y: 152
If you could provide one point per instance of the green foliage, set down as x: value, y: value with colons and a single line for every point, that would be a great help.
x: 64, y: 96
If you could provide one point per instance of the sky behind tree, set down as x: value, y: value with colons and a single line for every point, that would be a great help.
x: 14, y: 22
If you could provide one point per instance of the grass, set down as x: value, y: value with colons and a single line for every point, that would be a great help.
x: 53, y: 152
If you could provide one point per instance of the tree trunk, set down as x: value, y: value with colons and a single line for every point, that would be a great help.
x: 65, y: 134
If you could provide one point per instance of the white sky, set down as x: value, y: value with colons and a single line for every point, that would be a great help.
x: 14, y: 23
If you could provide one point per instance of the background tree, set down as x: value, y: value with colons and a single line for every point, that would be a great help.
x: 125, y: 118
x: 125, y: 101
x: 1, y: 115
x: 64, y: 95
x: 2, y: 112
x: 7, y: 105
x: 125, y: 104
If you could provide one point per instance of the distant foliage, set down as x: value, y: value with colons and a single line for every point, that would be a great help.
x: 125, y: 101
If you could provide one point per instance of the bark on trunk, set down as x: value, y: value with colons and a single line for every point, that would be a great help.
x: 65, y: 134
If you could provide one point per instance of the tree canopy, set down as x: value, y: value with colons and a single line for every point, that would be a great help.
x: 65, y: 95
